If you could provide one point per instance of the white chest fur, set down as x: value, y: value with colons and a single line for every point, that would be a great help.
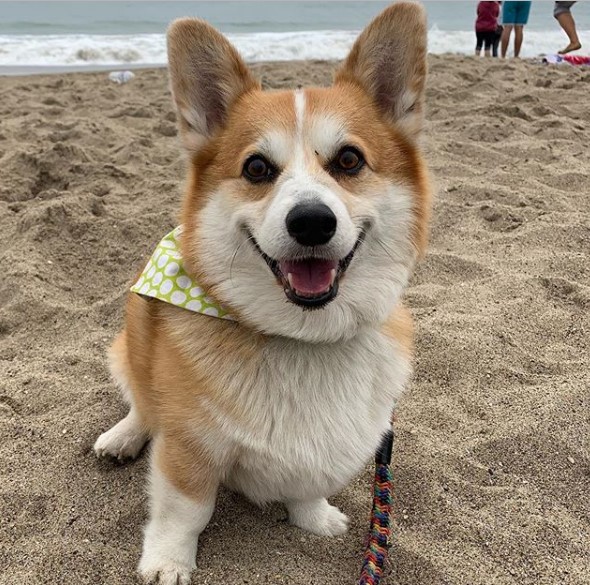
x: 314, y: 415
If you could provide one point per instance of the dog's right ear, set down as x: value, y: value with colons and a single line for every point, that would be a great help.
x: 206, y: 76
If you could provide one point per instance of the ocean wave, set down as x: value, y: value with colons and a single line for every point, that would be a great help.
x: 119, y: 50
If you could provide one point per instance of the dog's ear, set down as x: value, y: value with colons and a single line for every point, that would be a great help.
x: 388, y: 60
x: 206, y: 76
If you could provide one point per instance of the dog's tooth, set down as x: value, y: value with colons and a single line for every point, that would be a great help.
x: 332, y: 276
x: 290, y: 279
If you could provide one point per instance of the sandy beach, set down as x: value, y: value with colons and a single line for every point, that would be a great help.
x: 492, y: 458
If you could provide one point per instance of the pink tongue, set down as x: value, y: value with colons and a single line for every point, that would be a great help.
x: 311, y: 276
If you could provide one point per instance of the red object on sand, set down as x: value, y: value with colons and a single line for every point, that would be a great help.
x: 577, y: 59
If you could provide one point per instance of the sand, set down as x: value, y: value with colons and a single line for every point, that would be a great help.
x: 491, y: 462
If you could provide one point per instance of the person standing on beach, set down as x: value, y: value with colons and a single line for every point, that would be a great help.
x: 485, y: 26
x: 515, y: 14
x: 563, y: 15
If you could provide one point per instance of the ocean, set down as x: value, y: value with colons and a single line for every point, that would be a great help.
x: 129, y: 34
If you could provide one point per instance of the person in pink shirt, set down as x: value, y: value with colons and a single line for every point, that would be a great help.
x: 485, y: 27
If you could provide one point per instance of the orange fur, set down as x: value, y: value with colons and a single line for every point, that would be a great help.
x: 400, y: 327
x: 167, y: 356
x: 187, y: 466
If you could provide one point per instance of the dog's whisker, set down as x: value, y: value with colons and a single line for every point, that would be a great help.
x: 388, y: 252
x: 233, y: 258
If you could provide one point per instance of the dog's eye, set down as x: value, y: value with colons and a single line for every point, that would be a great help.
x: 349, y: 161
x: 257, y: 169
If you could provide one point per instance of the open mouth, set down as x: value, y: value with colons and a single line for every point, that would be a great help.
x: 310, y: 282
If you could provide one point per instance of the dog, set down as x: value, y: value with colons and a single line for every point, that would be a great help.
x: 304, y: 214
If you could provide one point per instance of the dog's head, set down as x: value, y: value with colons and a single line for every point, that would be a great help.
x: 305, y: 210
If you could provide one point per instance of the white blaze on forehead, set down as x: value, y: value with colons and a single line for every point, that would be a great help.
x: 325, y: 132
x: 319, y: 134
x: 298, y: 159
x: 299, y: 111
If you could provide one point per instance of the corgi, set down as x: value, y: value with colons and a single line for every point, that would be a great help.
x: 304, y: 214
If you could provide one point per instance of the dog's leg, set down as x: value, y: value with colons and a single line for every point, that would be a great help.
x: 176, y: 517
x: 125, y: 440
x: 317, y: 516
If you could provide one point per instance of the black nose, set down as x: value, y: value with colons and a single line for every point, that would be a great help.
x: 311, y: 224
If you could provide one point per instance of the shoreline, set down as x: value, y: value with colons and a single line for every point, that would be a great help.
x: 40, y: 70
x: 26, y: 70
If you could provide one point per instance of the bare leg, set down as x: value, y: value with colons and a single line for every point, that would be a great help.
x: 176, y: 521
x: 518, y: 36
x: 566, y: 20
x: 506, y: 39
x: 318, y: 516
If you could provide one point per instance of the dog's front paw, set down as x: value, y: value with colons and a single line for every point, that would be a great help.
x: 318, y: 517
x: 124, y: 441
x: 164, y: 572
x: 118, y: 445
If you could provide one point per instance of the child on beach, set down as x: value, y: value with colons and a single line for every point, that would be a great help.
x: 485, y: 27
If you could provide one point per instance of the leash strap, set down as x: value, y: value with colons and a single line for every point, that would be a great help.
x: 380, y: 529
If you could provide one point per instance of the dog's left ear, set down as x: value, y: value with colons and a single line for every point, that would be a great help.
x: 388, y: 61
x: 207, y: 75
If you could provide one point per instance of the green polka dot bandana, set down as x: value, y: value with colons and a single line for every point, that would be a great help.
x: 165, y: 279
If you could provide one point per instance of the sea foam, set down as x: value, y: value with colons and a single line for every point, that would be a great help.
x: 118, y: 50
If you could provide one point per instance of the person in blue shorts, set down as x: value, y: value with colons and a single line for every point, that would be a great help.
x: 515, y: 14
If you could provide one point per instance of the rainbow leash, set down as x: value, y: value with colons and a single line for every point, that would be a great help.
x: 380, y: 530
